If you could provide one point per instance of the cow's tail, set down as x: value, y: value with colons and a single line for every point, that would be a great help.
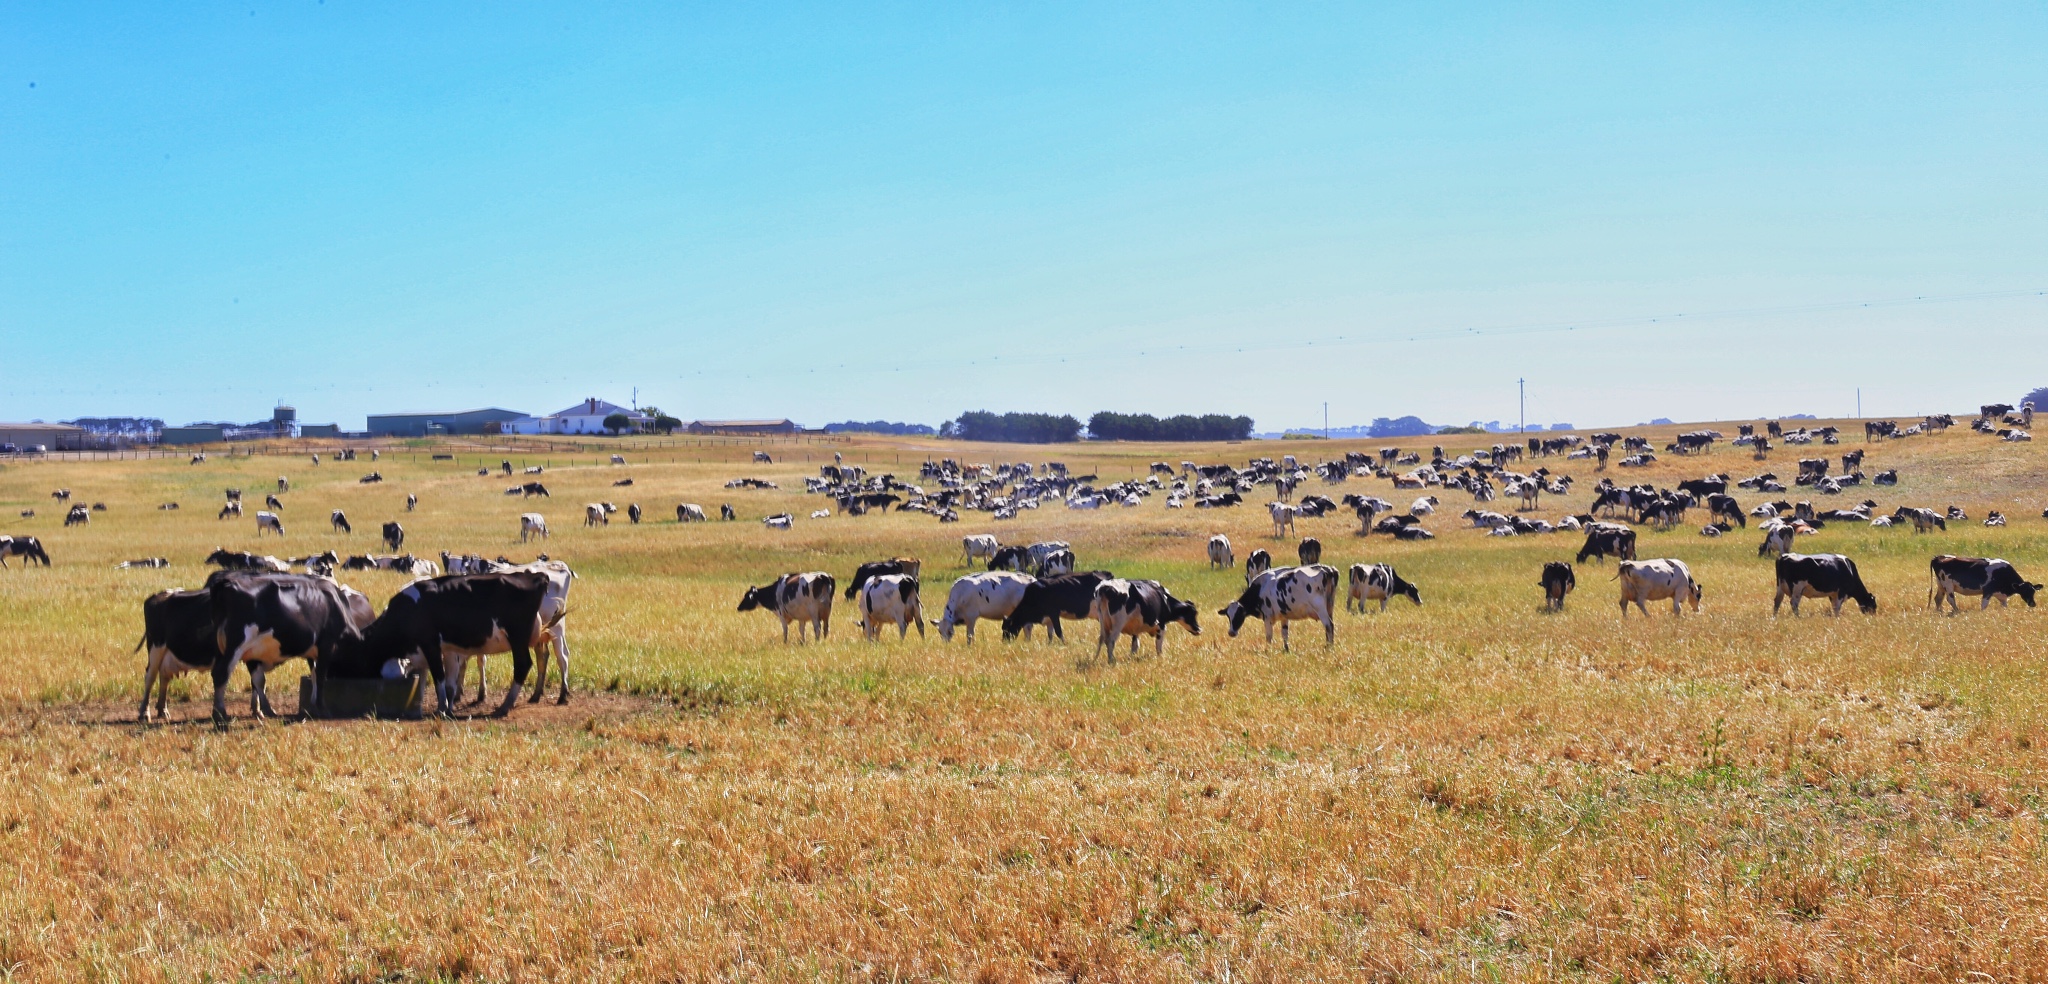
x: 139, y: 643
x: 557, y: 620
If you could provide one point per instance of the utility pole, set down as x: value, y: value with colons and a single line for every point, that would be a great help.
x: 1859, y: 403
x: 1326, y: 420
x: 1522, y: 393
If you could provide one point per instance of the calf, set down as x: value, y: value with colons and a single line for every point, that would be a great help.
x: 394, y: 536
x: 262, y: 620
x: 890, y: 598
x: 805, y: 599
x: 1135, y: 608
x: 1310, y: 551
x: 1284, y: 595
x: 1985, y: 577
x: 1378, y: 582
x: 1830, y: 576
x: 1656, y: 580
x: 876, y: 568
x: 1558, y: 581
x: 1219, y: 553
x: 1048, y: 600
x: 987, y: 595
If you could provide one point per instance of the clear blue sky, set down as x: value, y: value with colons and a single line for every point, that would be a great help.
x: 905, y: 211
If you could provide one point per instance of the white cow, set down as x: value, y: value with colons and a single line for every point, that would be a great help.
x: 618, y: 459
x: 1086, y: 502
x: 1423, y: 506
x: 552, y: 633
x: 594, y: 514
x: 1283, y: 516
x: 1287, y: 594
x: 890, y: 598
x: 1656, y: 580
x: 689, y: 512
x: 978, y: 546
x: 1219, y: 552
x: 269, y: 521
x: 532, y: 525
x: 987, y: 595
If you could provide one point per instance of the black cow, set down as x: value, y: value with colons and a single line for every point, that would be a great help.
x: 1603, y: 539
x: 23, y: 546
x: 1830, y: 576
x: 1558, y: 581
x: 877, y: 568
x: 1703, y: 487
x: 1051, y: 599
x: 1012, y: 558
x: 1310, y: 551
x: 177, y: 628
x: 470, y: 614
x: 265, y: 619
x: 394, y: 536
x: 1723, y: 505
x: 1987, y: 577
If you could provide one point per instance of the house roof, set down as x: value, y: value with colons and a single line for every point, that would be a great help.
x: 448, y: 413
x: 34, y: 426
x: 595, y: 407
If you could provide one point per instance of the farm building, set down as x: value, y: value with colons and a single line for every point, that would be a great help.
x: 193, y: 434
x: 584, y: 418
x: 56, y: 437
x: 487, y: 420
x: 744, y: 427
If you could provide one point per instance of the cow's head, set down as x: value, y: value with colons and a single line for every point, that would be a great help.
x: 1697, y: 593
x: 2026, y: 592
x: 1184, y: 613
x: 1235, y: 613
x: 762, y: 597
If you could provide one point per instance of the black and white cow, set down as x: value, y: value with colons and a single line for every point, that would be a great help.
x: 273, y: 502
x: 890, y: 599
x: 984, y: 595
x: 1219, y: 553
x: 28, y: 548
x: 1986, y: 577
x: 269, y: 521
x: 1288, y: 594
x: 633, y: 512
x: 394, y: 536
x: 235, y: 560
x: 442, y: 621
x: 977, y: 546
x: 1378, y: 582
x: 1558, y: 581
x: 805, y: 599
x: 1605, y: 539
x: 876, y: 568
x: 1778, y: 536
x: 1135, y: 608
x: 264, y: 619
x: 689, y: 512
x: 1656, y: 580
x: 1310, y: 552
x: 554, y: 635
x: 1048, y: 600
x: 532, y: 525
x: 1830, y: 576
x: 1054, y: 564
x: 1258, y: 563
x: 177, y: 629
x: 339, y: 521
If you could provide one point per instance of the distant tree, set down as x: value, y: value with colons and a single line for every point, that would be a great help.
x: 877, y: 427
x: 1461, y: 430
x: 2039, y: 398
x: 1014, y: 428
x: 1409, y: 426
x: 617, y: 422
x: 666, y: 424
x: 1107, y: 426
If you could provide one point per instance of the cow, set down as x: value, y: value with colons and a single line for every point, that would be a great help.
x: 285, y: 484
x: 262, y: 620
x: 1284, y: 595
x: 805, y: 599
x: 394, y: 536
x: 177, y: 629
x: 143, y: 562
x: 445, y: 620
x: 233, y: 495
x: 977, y: 546
x: 231, y: 560
x: 1655, y: 580
x: 271, y: 501
x: 876, y: 568
x: 1423, y: 506
x: 1830, y: 576
x: 689, y: 512
x: 986, y: 595
x: 725, y: 512
x: 531, y: 525
x: 1603, y: 539
x: 370, y: 479
x: 594, y: 514
x: 1558, y: 581
x: 1778, y: 536
x: 761, y: 457
x: 531, y: 489
x: 1258, y: 563
x: 1048, y: 600
x: 618, y: 459
x: 339, y: 521
x: 230, y: 508
x: 1283, y: 517
x: 1310, y: 551
x: 1135, y: 608
x: 1219, y: 553
x: 1924, y: 519
x: 779, y: 521
x: 1723, y: 505
x: 1378, y: 582
x: 411, y: 501
x: 269, y: 521
x: 890, y: 598
x: 553, y: 634
x: 80, y: 515
x: 633, y: 512
x: 1985, y: 577
x: 1054, y: 564
x: 27, y: 547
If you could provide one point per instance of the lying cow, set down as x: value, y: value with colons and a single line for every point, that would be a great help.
x: 1656, y: 580
x: 1284, y: 595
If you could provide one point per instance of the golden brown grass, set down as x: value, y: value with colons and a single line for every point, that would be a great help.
x: 1473, y: 789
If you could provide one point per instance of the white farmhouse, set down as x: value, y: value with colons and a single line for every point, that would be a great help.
x: 583, y: 418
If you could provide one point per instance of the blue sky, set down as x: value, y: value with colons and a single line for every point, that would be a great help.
x: 906, y: 211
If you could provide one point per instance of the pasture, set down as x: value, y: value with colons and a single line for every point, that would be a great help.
x: 1474, y: 788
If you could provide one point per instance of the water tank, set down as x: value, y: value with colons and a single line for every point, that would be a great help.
x: 284, y: 415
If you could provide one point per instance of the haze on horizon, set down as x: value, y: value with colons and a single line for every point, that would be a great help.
x: 824, y: 212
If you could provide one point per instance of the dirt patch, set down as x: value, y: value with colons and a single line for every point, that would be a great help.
x: 581, y: 709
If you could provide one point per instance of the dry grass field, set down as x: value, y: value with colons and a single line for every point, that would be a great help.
x: 1472, y: 789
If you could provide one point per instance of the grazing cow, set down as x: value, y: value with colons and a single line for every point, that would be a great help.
x: 633, y: 512
x: 1378, y: 582
x: 1722, y: 505
x: 977, y: 546
x: 760, y: 457
x: 1055, y: 564
x: 986, y: 595
x: 618, y: 459
x: 1985, y: 577
x: 1656, y: 580
x: 285, y: 484
x: 1283, y: 516
x: 1258, y: 563
x: 531, y: 489
x: 890, y: 598
x: 876, y: 568
x: 273, y: 502
x: 1284, y: 595
x: 553, y: 635
x: 27, y: 547
x: 262, y: 620
x: 230, y: 508
x: 339, y: 521
x: 1310, y: 551
x: 689, y: 512
x: 177, y: 629
x: 725, y: 511
x: 1048, y: 600
x: 1219, y: 553
x: 394, y: 536
x: 1558, y: 581
x: 1830, y: 576
x: 594, y: 514
x: 1924, y: 519
x: 1135, y: 608
x: 1778, y: 536
x: 269, y: 521
x: 411, y: 501
x: 447, y: 620
x: 531, y: 525
x: 79, y: 515
x: 1603, y: 539
x: 805, y: 599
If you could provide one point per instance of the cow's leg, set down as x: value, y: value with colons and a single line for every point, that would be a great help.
x: 785, y: 627
x: 522, y: 663
x: 1329, y: 630
x: 257, y: 705
x: 558, y: 640
x: 223, y: 666
x: 150, y: 672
